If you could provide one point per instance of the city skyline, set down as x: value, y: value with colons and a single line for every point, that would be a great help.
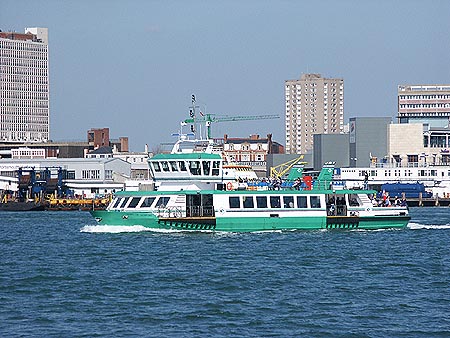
x: 135, y: 70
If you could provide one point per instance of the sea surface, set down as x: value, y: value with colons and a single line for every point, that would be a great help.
x: 63, y: 276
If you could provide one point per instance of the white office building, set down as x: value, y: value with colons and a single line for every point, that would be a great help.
x: 24, y: 86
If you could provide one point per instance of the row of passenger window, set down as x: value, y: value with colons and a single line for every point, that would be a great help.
x: 195, y: 167
x: 139, y: 202
x: 262, y: 202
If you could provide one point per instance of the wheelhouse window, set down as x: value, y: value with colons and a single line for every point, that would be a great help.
x: 288, y: 201
x: 182, y: 165
x: 194, y: 167
x: 248, y: 202
x: 215, y: 168
x: 165, y: 166
x: 275, y: 202
x: 162, y: 202
x: 302, y: 202
x: 206, y: 167
x: 134, y: 201
x: 314, y: 201
x: 234, y: 202
x: 156, y: 167
x: 261, y: 202
x: 173, y: 166
x: 147, y: 202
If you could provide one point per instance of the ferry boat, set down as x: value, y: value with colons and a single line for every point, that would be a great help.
x: 194, y: 190
x: 194, y: 193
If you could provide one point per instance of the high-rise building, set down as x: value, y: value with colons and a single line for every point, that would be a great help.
x: 24, y: 86
x: 426, y: 104
x: 314, y: 105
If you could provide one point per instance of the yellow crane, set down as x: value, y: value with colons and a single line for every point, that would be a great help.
x: 283, y: 168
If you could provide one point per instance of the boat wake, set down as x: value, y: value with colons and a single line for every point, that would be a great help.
x: 418, y: 226
x: 113, y: 228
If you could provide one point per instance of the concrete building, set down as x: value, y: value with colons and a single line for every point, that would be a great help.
x: 24, y: 86
x: 368, y: 140
x: 314, y: 105
x: 331, y: 147
x: 427, y: 104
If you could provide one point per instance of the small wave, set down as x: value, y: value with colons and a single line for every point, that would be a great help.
x: 113, y: 228
x: 418, y: 226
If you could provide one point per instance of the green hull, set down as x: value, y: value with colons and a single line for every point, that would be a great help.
x: 247, y: 224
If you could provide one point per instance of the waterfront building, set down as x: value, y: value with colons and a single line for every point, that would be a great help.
x: 418, y: 145
x: 137, y: 160
x: 314, y: 105
x: 251, y: 151
x: 85, y: 177
x: 24, y: 86
x: 427, y: 104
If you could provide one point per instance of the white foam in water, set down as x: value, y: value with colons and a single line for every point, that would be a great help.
x: 112, y: 228
x: 417, y: 226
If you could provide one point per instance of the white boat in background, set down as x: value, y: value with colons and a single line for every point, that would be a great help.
x: 436, y: 179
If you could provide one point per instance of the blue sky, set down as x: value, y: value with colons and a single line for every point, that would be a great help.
x: 133, y: 65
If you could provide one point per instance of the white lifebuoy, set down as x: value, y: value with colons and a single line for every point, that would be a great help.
x: 229, y: 186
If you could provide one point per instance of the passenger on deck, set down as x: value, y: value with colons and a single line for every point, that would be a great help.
x: 297, y: 183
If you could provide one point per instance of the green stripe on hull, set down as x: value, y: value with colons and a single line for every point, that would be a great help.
x: 383, y: 222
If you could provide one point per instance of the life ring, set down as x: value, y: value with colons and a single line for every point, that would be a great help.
x: 229, y: 186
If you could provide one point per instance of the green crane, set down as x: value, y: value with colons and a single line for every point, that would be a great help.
x: 207, y: 119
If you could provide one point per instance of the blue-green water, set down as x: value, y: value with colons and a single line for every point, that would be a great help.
x: 60, y: 276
